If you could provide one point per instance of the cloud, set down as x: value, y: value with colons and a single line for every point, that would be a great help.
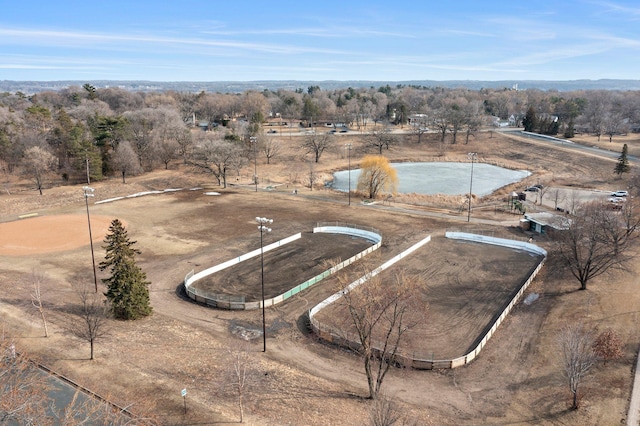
x: 70, y: 39
x: 335, y: 32
x: 618, y: 9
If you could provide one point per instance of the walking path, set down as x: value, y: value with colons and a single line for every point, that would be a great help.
x: 633, y: 416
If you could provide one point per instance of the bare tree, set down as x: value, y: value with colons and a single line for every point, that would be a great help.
x: 419, y: 129
x: 595, y: 242
x: 379, y: 139
x: 542, y: 191
x: 244, y: 374
x: 93, y: 313
x: 457, y: 118
x: 185, y: 144
x: 630, y: 218
x: 166, y: 150
x: 37, y: 163
x: 380, y: 311
x: 312, y: 176
x: 613, y: 124
x: 218, y: 157
x: 578, y: 357
x: 125, y: 160
x: 36, y: 297
x: 441, y: 122
x: 140, y: 125
x: 317, y: 144
x: 595, y: 112
x: 23, y: 391
x: 383, y: 412
x: 270, y: 148
x: 473, y: 122
x: 168, y: 130
x: 558, y: 196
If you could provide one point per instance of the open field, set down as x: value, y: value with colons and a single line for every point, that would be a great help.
x: 516, y: 380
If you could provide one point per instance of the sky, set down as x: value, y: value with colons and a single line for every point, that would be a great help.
x: 344, y: 40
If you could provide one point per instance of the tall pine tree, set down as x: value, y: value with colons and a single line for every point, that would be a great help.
x: 622, y: 166
x: 530, y: 120
x: 127, y: 287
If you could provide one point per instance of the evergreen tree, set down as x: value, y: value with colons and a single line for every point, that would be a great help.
x: 623, y: 162
x: 530, y: 121
x: 127, y: 287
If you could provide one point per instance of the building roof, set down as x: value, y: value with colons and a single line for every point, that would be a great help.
x: 549, y: 219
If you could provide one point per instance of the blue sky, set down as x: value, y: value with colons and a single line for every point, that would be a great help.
x: 319, y: 40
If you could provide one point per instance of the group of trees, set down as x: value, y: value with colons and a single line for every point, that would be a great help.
x: 85, y: 133
x: 597, y: 240
x: 580, y: 348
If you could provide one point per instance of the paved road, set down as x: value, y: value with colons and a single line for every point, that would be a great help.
x: 569, y: 145
x: 633, y: 416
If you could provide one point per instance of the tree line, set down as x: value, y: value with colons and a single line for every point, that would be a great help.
x: 87, y: 133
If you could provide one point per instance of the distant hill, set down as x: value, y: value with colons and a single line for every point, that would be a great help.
x: 30, y: 87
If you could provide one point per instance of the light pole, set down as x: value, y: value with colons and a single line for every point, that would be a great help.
x: 88, y: 176
x: 88, y: 192
x: 471, y: 156
x: 254, y: 141
x: 349, y: 156
x: 262, y: 221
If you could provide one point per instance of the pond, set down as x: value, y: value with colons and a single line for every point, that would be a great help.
x: 441, y: 178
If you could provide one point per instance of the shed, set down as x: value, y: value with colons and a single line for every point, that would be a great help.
x: 540, y: 222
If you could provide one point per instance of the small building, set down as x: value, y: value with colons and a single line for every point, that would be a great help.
x: 541, y: 222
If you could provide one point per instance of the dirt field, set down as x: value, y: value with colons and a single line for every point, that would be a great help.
x: 47, y: 234
x: 467, y: 285
x: 284, y: 267
x: 516, y: 380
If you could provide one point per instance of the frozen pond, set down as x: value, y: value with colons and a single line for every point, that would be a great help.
x: 441, y: 178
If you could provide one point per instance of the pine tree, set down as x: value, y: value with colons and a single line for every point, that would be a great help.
x: 530, y: 121
x: 127, y: 287
x: 623, y: 162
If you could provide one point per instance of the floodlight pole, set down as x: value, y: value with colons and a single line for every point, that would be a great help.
x: 349, y: 156
x: 88, y: 192
x: 262, y: 228
x: 472, y: 156
x: 254, y: 141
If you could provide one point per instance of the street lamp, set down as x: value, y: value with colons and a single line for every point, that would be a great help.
x: 262, y: 221
x: 88, y: 192
x: 349, y: 155
x: 471, y: 156
x: 254, y: 141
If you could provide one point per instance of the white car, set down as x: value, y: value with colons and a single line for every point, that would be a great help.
x: 620, y: 194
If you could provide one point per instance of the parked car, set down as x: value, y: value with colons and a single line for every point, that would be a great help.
x: 533, y: 189
x: 619, y: 194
